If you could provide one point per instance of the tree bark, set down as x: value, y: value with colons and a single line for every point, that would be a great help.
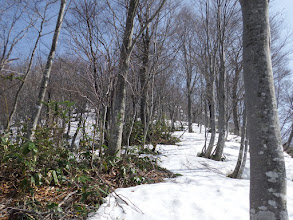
x: 46, y: 75
x: 267, y: 167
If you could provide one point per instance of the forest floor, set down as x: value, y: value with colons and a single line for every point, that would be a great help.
x: 201, y: 190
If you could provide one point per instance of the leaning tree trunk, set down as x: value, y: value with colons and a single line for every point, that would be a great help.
x: 240, y: 159
x: 117, y: 119
x: 241, y: 169
x: 267, y: 166
x: 46, y: 75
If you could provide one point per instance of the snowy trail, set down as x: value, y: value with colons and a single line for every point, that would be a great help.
x: 203, y: 191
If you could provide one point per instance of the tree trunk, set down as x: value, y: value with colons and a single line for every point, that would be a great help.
x: 151, y: 109
x: 188, y: 70
x: 222, y: 108
x: 203, y: 113
x: 205, y: 129
x: 267, y: 167
x: 144, y: 77
x: 144, y: 80
x: 242, y: 166
x: 102, y: 128
x: 189, y: 111
x: 131, y: 128
x: 211, y: 96
x: 228, y: 111
x: 80, y: 119
x: 46, y: 75
x: 235, y: 101
x: 69, y: 125
x: 210, y: 79
x: 221, y: 23
x: 240, y: 159
x: 117, y: 119
x: 172, y: 117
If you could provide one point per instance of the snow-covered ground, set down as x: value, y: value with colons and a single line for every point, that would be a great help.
x: 203, y: 192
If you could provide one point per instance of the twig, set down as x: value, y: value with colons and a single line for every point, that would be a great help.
x: 111, y: 187
x: 183, y: 133
x: 67, y: 197
x: 28, y: 211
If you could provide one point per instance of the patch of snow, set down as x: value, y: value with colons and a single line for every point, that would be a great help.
x: 203, y: 192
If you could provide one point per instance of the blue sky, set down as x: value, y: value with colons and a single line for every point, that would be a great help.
x: 286, y: 8
x: 283, y: 6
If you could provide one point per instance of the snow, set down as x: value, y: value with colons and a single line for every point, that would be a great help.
x: 203, y: 191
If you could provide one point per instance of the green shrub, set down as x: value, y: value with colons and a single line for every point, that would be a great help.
x: 159, y: 133
x: 79, y: 180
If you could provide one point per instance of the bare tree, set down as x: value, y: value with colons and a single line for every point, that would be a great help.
x: 209, y: 51
x: 46, y: 75
x: 119, y: 102
x: 236, y: 62
x: 11, y: 30
x: 23, y: 81
x: 186, y: 39
x: 120, y: 92
x: 225, y: 12
x: 14, y: 26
